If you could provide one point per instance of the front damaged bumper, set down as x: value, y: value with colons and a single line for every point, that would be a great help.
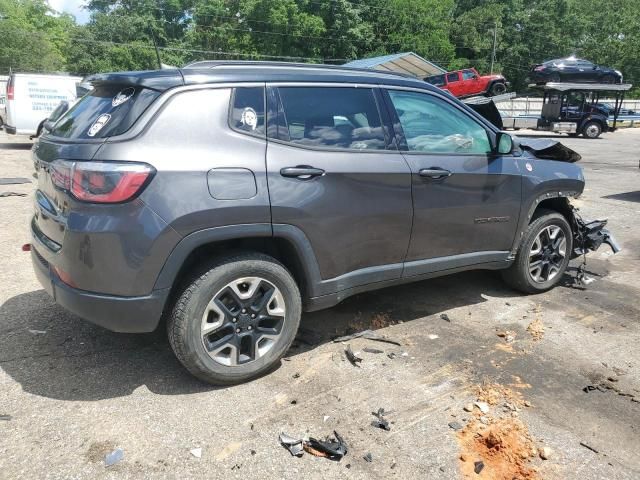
x: 589, y: 236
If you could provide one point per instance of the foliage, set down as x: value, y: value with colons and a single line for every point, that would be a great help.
x: 453, y: 33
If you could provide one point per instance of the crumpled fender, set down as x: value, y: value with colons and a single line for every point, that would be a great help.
x: 549, y: 149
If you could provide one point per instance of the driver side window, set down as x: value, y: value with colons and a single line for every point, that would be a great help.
x: 431, y: 125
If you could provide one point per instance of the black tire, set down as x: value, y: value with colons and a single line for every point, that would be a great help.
x: 592, y: 129
x: 555, y: 78
x: 518, y: 275
x: 186, y: 319
x: 498, y: 88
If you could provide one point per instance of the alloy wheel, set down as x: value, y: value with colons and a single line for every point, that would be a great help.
x: 547, y: 254
x: 243, y: 321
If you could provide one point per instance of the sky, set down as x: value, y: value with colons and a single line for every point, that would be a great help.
x: 74, y: 7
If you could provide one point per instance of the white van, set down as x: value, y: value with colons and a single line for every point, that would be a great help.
x: 31, y: 98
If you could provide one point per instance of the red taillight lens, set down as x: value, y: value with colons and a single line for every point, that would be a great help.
x: 539, y: 68
x: 101, y: 182
x: 10, y: 91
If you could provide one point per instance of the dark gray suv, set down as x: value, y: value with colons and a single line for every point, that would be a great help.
x: 229, y: 197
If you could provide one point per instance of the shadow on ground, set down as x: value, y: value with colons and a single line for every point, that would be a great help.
x: 54, y: 354
x: 625, y: 197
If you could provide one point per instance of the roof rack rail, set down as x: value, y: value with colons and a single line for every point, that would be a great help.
x: 232, y: 63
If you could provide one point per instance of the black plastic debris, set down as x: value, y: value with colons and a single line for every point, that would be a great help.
x: 391, y: 355
x: 380, y: 421
x: 478, y: 466
x: 352, y: 357
x: 12, y: 194
x: 588, y: 447
x: 372, y: 350
x: 13, y: 180
x: 369, y: 335
x: 368, y: 458
x: 295, y: 446
x: 445, y: 317
x: 6, y: 418
x: 331, y: 448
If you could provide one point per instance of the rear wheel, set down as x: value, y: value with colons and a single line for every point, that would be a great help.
x: 554, y: 77
x: 543, y: 255
x: 498, y: 89
x: 235, y: 320
x: 608, y: 79
x: 592, y: 129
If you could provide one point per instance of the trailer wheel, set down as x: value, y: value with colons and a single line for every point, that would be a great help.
x: 592, y: 129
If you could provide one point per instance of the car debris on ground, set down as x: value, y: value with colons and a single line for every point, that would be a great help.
x: 369, y: 335
x: 196, y: 452
x: 113, y: 457
x: 333, y: 448
x: 368, y: 458
x: 5, y: 417
x: 372, y: 350
x: 380, y: 421
x: 352, y: 357
x: 445, y: 317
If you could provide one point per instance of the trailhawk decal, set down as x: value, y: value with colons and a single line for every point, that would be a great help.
x: 123, y: 96
x: 98, y: 124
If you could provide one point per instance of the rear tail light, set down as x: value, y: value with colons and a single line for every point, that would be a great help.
x: 539, y: 68
x: 10, y: 91
x: 101, y: 182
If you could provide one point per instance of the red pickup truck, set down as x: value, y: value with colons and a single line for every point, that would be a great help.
x: 468, y: 82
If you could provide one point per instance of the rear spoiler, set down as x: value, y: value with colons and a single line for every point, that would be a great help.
x: 159, y: 80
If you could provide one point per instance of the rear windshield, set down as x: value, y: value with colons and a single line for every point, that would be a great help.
x: 104, y: 112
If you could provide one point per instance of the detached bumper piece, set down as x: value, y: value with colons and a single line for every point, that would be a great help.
x: 588, y: 237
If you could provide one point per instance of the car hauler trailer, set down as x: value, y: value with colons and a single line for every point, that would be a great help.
x: 575, y: 108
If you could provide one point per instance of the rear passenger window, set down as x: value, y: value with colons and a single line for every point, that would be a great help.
x: 332, y: 117
x: 105, y: 111
x: 452, y: 77
x: 247, y: 112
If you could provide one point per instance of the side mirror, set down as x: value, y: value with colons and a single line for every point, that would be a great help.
x: 505, y: 143
x: 48, y: 125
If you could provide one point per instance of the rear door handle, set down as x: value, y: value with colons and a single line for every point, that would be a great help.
x: 434, y: 173
x: 303, y: 172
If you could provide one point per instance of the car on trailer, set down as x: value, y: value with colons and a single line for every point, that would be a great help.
x: 572, y: 69
x: 468, y: 82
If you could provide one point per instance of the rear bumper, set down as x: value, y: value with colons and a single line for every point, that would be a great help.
x: 115, y: 313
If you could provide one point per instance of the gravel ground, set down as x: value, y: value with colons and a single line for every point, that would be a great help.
x: 75, y: 392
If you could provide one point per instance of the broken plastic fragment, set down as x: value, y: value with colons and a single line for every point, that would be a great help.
x: 113, y: 457
x: 368, y: 334
x: 368, y: 458
x: 478, y: 466
x: 295, y: 446
x: 372, y: 350
x: 196, y: 452
x: 333, y: 449
x: 380, y: 421
x: 5, y: 417
x: 352, y: 357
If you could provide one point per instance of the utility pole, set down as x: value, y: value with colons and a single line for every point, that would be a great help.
x: 155, y: 45
x: 495, y: 37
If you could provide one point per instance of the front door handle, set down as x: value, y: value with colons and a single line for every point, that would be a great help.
x: 303, y: 172
x: 434, y: 173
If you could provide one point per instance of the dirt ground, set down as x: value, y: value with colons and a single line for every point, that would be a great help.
x: 71, y: 392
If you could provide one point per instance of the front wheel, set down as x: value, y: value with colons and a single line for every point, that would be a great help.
x: 498, y: 89
x: 592, y: 130
x: 543, y: 255
x: 235, y: 319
